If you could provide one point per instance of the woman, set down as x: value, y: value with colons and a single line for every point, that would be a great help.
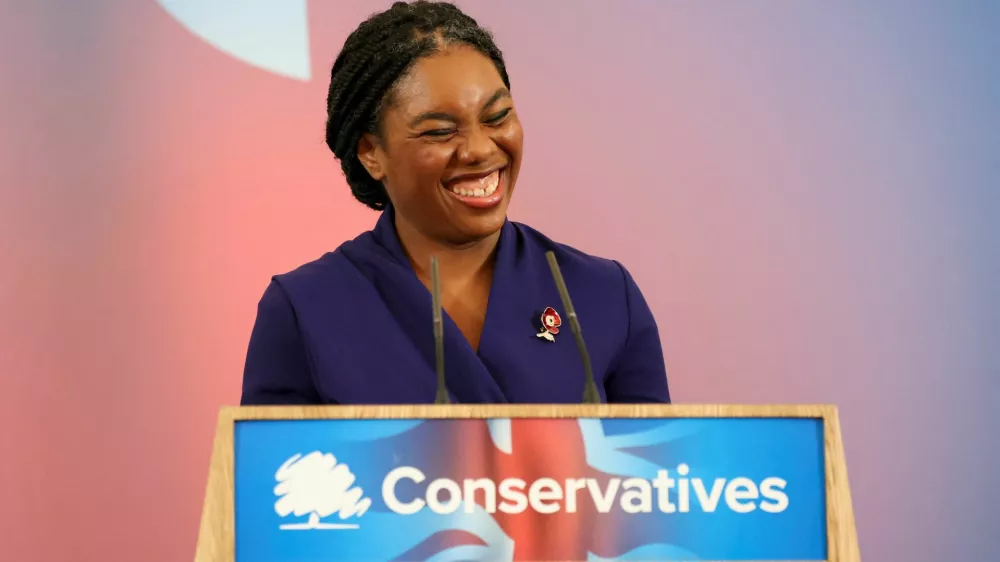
x: 421, y: 117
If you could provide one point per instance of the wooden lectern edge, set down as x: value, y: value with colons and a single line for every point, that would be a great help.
x: 842, y: 535
x: 216, y: 537
x: 483, y: 411
x: 216, y: 534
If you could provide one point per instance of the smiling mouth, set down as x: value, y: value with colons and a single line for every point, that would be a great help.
x: 475, y: 186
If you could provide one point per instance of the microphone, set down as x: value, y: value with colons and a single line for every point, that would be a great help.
x: 441, y: 397
x: 590, y: 394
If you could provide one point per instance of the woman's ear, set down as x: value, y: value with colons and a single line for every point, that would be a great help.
x: 369, y: 153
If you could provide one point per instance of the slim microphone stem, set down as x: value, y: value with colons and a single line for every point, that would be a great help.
x: 441, y: 397
x: 590, y: 394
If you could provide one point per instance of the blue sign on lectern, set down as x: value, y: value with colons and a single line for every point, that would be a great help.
x: 530, y: 489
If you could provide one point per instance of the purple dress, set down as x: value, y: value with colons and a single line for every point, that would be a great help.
x: 355, y: 327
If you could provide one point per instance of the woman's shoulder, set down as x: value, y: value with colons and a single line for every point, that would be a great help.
x: 317, y: 271
x: 347, y: 265
x: 333, y: 268
x: 573, y: 262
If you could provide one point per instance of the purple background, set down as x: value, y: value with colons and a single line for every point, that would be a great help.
x: 807, y: 193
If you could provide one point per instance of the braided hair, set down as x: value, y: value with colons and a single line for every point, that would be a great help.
x: 375, y: 56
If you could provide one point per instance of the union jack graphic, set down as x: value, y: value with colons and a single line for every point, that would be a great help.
x: 598, y: 451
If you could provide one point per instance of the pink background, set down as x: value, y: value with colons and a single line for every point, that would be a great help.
x: 806, y: 192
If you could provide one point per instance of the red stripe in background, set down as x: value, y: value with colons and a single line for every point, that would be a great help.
x: 541, y: 449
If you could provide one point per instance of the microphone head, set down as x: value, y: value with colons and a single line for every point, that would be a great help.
x: 435, y: 291
x: 441, y: 395
x: 590, y: 393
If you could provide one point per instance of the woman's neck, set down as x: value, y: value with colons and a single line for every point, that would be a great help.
x: 455, y: 261
x: 466, y: 272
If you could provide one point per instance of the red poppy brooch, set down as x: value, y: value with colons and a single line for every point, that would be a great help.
x: 550, y: 324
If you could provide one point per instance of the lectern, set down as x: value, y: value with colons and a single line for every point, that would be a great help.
x: 589, y: 482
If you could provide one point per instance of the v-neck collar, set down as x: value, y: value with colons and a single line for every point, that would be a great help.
x: 512, y: 363
x: 386, y: 235
x: 461, y: 359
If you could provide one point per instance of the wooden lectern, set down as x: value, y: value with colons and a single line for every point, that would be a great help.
x: 528, y: 482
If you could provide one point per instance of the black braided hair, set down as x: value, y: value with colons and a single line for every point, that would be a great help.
x: 374, y: 57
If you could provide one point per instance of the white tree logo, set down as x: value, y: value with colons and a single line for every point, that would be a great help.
x: 318, y: 486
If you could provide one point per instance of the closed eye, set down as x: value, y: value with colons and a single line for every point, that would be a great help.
x: 437, y: 133
x: 498, y: 117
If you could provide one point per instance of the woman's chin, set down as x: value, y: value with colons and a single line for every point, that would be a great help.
x: 479, y: 223
x: 480, y: 228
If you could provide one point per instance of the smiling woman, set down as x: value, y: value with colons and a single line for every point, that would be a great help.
x: 421, y: 116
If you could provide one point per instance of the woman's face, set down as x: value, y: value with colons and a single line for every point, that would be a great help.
x: 450, y: 147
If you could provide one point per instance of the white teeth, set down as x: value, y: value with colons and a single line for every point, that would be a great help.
x: 483, y: 187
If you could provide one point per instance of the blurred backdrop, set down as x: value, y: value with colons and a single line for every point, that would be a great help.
x: 807, y: 192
